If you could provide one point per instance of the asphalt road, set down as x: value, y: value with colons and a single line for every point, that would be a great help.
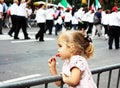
x: 24, y: 58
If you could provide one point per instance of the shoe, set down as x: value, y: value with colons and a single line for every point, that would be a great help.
x: 36, y: 36
x: 16, y: 38
x: 27, y: 37
x: 41, y: 40
x: 1, y: 33
x: 117, y: 48
x: 10, y: 35
x: 110, y: 48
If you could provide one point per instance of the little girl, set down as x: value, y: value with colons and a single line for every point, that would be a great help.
x: 74, y: 48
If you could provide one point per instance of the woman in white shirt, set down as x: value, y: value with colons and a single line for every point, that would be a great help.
x: 90, y: 20
x: 41, y: 19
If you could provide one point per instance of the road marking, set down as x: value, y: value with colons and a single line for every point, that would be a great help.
x: 21, y: 40
x: 21, y: 78
x: 31, y: 40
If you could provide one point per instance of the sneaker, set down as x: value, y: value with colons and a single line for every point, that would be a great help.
x: 27, y: 38
x: 16, y: 38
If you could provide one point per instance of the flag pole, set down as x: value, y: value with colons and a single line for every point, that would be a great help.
x: 88, y: 3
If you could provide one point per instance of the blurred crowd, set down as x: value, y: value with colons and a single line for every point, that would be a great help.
x: 92, y: 22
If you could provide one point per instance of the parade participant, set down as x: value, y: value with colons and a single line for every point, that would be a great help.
x: 21, y: 19
x: 41, y: 18
x: 1, y: 16
x: 74, y: 48
x: 97, y: 21
x: 13, y: 14
x: 113, y: 31
x: 68, y: 19
x: 49, y: 19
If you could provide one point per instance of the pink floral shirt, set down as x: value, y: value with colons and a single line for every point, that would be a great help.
x: 80, y: 62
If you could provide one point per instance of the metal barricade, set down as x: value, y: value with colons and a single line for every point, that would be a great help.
x: 49, y: 79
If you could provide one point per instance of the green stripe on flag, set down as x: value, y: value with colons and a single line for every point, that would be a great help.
x: 64, y: 3
x: 96, y: 1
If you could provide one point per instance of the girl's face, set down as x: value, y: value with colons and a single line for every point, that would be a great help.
x: 64, y: 51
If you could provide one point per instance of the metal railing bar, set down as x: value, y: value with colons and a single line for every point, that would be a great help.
x: 98, y: 80
x: 105, y: 68
x: 46, y: 85
x: 31, y: 82
x: 109, y: 79
x: 118, y: 79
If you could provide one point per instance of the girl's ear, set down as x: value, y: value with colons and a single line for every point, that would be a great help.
x: 72, y: 47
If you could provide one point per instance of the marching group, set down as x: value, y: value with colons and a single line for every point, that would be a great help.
x: 89, y: 21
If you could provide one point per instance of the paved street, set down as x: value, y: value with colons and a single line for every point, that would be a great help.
x: 20, y: 58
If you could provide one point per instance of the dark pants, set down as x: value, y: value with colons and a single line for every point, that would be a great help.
x: 21, y: 23
x: 106, y: 29
x: 113, y: 36
x: 90, y: 28
x: 58, y: 27
x: 14, y: 24
x: 49, y: 25
x: 1, y: 24
x: 41, y: 31
x: 68, y: 25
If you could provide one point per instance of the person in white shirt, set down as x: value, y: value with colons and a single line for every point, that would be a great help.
x: 90, y: 20
x: 41, y: 19
x: 21, y: 19
x: 114, y: 25
x: 29, y: 13
x: 104, y: 21
x: 85, y: 20
x: 74, y: 18
x: 1, y: 16
x: 50, y: 19
x: 68, y: 19
x: 13, y: 14
x: 58, y: 20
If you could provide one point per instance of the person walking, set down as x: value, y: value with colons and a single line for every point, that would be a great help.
x: 1, y: 16
x: 74, y: 21
x: 22, y: 20
x: 68, y: 19
x: 58, y: 21
x: 113, y: 32
x: 74, y: 48
x: 97, y: 21
x: 13, y: 14
x: 50, y: 19
x: 90, y: 23
x: 41, y: 19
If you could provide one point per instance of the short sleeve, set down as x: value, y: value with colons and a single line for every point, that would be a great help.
x: 79, y: 62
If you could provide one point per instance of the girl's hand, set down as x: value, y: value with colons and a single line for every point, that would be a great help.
x: 52, y: 65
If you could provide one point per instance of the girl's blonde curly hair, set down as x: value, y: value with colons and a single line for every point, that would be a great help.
x: 77, y: 43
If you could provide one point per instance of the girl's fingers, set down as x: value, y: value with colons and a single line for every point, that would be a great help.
x: 52, y: 60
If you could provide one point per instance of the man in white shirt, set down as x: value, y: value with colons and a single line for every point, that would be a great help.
x: 1, y: 16
x: 113, y: 29
x: 13, y: 12
x: 49, y: 19
x: 21, y: 19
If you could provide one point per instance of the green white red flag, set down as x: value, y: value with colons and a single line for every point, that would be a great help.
x: 64, y: 4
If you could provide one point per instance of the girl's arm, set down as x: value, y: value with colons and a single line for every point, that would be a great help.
x: 52, y: 68
x: 74, y: 79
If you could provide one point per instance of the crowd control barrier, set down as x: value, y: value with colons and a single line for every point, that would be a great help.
x: 50, y: 79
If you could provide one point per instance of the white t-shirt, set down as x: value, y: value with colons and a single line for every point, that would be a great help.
x: 21, y: 11
x: 13, y: 9
x: 1, y: 10
x: 40, y: 16
x: 49, y: 14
